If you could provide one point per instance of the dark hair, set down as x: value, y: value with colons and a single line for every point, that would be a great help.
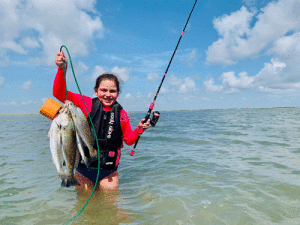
x: 108, y: 76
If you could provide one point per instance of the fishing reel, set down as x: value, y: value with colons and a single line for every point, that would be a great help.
x: 154, y: 119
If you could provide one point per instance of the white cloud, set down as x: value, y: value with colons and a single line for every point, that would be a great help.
x: 27, y: 85
x: 287, y: 47
x: 271, y: 78
x: 115, y: 58
x: 188, y: 86
x: 152, y: 76
x: 249, y: 2
x: 206, y: 99
x: 3, y: 58
x: 163, y: 90
x: 233, y: 84
x: 29, y: 102
x: 2, y: 82
x: 11, y: 45
x: 275, y: 32
x: 49, y: 25
x: 239, y: 41
x: 181, y: 85
x: 122, y: 72
x: 270, y: 73
x: 190, y: 58
x: 231, y: 29
x: 98, y: 70
x: 174, y: 81
x: 128, y: 95
x: 81, y: 68
x: 209, y: 85
x: 29, y: 42
x: 150, y: 63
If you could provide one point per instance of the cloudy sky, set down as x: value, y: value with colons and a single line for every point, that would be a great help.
x: 234, y: 54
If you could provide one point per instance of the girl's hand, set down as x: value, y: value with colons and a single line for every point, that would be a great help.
x: 143, y: 125
x: 59, y: 59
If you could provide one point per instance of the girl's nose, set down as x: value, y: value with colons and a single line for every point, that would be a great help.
x: 108, y: 94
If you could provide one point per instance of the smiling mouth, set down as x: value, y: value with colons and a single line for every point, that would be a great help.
x: 108, y: 100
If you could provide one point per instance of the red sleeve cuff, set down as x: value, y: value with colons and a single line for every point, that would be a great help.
x: 139, y: 131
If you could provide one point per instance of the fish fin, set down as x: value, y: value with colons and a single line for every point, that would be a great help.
x: 81, y: 151
x: 94, y: 154
x: 92, y: 159
x: 87, y: 163
x: 77, y: 159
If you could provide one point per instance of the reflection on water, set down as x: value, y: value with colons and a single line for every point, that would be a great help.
x: 101, y: 209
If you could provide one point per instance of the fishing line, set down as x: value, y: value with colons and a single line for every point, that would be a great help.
x: 92, y: 127
x: 152, y: 104
x: 65, y: 77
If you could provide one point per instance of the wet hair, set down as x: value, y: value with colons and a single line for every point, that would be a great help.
x: 108, y: 76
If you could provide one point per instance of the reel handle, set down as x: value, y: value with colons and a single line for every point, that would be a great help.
x: 153, y: 122
x: 137, y: 141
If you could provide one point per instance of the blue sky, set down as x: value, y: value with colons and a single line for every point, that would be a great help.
x: 234, y: 54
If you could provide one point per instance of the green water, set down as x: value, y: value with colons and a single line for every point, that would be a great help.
x: 194, y: 167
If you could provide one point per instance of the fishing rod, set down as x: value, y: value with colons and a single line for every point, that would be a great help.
x: 153, y: 102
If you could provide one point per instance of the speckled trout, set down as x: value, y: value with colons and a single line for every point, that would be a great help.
x: 84, y: 134
x: 67, y: 134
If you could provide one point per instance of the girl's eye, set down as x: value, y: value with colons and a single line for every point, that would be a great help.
x: 106, y: 90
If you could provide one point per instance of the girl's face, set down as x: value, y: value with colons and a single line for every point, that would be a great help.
x: 107, y: 92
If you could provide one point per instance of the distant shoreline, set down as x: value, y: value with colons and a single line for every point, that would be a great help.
x: 182, y: 110
x: 19, y: 114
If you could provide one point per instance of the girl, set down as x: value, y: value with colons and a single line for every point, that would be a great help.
x: 111, y: 123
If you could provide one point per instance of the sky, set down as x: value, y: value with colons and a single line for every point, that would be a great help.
x: 234, y: 54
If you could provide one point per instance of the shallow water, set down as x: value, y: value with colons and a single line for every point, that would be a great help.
x: 194, y: 167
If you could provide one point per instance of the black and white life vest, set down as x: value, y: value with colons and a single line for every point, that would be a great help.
x: 109, y: 133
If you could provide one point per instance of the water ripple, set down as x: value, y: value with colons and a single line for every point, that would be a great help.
x: 194, y: 167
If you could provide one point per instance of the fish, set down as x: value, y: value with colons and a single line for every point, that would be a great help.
x: 65, y: 143
x: 84, y: 134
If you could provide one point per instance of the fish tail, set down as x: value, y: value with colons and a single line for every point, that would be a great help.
x: 71, y: 181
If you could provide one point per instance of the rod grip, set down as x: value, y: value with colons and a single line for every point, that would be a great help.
x: 146, y: 118
x: 133, y: 149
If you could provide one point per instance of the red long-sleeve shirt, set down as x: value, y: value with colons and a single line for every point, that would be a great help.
x: 59, y: 91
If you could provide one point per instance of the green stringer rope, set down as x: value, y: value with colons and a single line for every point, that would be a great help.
x: 91, y: 124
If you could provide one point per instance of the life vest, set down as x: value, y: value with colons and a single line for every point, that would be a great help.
x: 109, y: 133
